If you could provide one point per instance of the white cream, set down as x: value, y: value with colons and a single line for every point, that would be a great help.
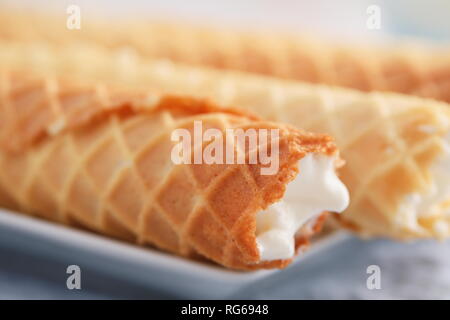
x: 315, y: 189
x: 428, y: 203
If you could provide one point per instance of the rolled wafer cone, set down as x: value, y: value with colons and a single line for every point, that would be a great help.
x: 100, y: 158
x: 410, y: 68
x: 392, y: 143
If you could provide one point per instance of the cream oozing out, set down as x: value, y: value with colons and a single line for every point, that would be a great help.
x: 429, y: 202
x: 315, y: 189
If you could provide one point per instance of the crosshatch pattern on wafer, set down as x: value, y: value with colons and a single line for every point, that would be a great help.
x: 99, y: 158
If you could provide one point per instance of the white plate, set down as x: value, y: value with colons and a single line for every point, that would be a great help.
x: 147, y: 266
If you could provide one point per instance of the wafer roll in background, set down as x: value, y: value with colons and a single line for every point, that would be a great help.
x: 410, y: 68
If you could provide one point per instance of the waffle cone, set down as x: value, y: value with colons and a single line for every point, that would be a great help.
x: 100, y: 158
x: 406, y: 68
x: 389, y: 141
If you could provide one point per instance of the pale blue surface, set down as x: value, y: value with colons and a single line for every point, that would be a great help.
x: 408, y: 271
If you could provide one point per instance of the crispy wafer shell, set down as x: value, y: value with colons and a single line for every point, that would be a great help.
x: 99, y: 158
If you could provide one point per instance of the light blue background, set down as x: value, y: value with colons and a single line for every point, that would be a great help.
x: 408, y: 271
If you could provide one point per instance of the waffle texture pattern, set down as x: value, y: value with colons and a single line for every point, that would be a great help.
x: 99, y: 158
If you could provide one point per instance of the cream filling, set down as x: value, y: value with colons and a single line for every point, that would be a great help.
x: 430, y: 203
x: 315, y: 189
